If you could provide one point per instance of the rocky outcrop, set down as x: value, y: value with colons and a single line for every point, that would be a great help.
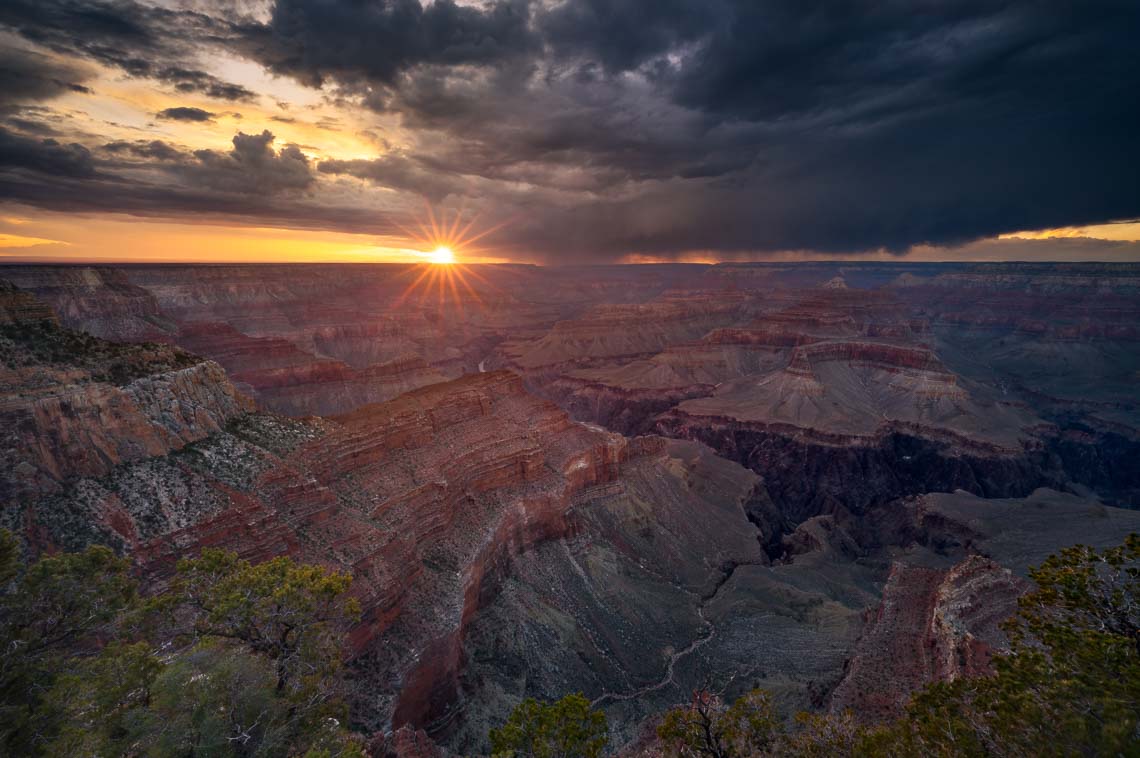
x: 616, y: 607
x: 301, y: 340
x: 99, y: 300
x: 458, y: 478
x: 963, y: 564
x: 72, y: 405
x: 932, y: 625
x: 626, y: 411
x: 18, y: 307
x: 819, y: 534
x: 974, y: 598
x: 609, y: 332
x: 1044, y: 278
x: 68, y: 430
x: 286, y: 379
x: 846, y: 423
x: 405, y: 742
x: 812, y: 473
x: 843, y: 398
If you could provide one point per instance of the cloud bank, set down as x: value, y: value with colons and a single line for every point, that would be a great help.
x: 605, y: 128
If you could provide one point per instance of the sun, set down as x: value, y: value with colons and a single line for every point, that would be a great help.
x: 442, y: 241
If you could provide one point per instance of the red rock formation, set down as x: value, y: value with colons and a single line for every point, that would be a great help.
x: 932, y: 625
x: 624, y: 331
x: 72, y: 405
x: 86, y: 429
x: 424, y: 498
x: 20, y: 307
x: 405, y: 742
x: 288, y: 380
x: 973, y: 599
x: 97, y: 299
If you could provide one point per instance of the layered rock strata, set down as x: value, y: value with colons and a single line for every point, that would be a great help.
x: 74, y: 405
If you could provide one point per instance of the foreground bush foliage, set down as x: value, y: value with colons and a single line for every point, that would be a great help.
x: 234, y: 659
x: 1070, y: 684
x: 750, y: 726
x: 567, y: 728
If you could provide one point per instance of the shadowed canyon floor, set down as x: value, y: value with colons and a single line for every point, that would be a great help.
x: 827, y: 480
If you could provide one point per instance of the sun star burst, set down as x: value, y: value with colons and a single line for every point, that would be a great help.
x: 445, y: 279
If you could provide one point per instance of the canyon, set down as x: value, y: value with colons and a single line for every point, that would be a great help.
x: 825, y: 479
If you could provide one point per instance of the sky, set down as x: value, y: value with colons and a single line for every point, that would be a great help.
x: 569, y: 131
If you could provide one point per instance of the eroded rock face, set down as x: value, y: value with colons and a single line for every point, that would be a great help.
x: 610, y: 332
x: 431, y: 500
x: 99, y: 300
x: 288, y: 380
x: 932, y: 625
x: 405, y: 742
x: 809, y: 473
x: 20, y: 307
x: 843, y: 398
x: 72, y: 405
x: 617, y: 606
x: 1029, y: 369
x: 855, y: 408
x: 963, y: 566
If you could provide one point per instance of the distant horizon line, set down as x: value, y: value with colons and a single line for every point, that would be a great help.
x: 707, y: 264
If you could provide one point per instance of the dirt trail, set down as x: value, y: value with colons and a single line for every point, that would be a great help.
x: 693, y: 646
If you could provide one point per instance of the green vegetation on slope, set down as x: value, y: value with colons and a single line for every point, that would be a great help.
x: 233, y: 659
x: 567, y: 728
x: 44, y: 343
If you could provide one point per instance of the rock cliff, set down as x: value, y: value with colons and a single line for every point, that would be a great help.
x: 72, y: 405
x: 931, y: 625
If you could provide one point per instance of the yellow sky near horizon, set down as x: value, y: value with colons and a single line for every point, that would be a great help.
x: 37, y: 236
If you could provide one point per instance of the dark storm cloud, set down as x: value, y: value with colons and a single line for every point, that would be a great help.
x: 372, y: 42
x: 745, y: 125
x: 194, y: 80
x: 140, y: 39
x: 153, y: 149
x: 185, y: 113
x: 621, y: 35
x: 108, y: 194
x: 26, y: 76
x: 251, y: 183
x: 251, y: 167
x: 44, y: 156
x: 398, y: 171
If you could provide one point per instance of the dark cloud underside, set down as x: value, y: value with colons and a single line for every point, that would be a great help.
x: 183, y: 113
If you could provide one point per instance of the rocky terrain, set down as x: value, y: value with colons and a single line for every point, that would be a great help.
x: 826, y: 480
x: 939, y: 621
x: 72, y: 404
x: 430, y: 500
